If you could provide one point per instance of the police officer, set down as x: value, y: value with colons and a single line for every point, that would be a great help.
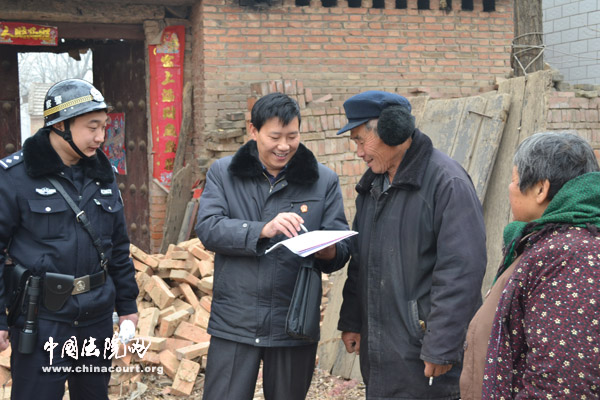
x: 81, y: 283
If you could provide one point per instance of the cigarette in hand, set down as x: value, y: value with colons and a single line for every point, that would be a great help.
x: 430, y: 380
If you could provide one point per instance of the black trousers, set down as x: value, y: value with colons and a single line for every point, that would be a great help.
x: 30, y: 381
x: 232, y: 369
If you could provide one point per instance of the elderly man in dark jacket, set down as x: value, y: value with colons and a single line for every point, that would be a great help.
x: 415, y: 276
x: 251, y: 201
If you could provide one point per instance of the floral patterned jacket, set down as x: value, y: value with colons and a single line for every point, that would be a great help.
x: 545, y: 338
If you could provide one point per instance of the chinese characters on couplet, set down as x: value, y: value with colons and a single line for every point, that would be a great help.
x: 166, y: 91
x: 21, y: 33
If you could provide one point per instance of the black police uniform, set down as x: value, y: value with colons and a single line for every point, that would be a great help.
x: 39, y: 231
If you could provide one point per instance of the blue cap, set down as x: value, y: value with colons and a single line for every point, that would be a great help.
x: 368, y: 105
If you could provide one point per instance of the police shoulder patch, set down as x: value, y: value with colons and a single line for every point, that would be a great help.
x: 12, y: 160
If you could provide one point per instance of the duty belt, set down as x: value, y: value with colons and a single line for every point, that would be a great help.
x: 88, y: 282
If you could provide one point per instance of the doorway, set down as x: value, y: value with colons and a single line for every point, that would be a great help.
x: 119, y: 73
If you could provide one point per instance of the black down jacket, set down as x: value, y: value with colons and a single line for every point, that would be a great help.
x: 252, y: 290
x: 415, y: 276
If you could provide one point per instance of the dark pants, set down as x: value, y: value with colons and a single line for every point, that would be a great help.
x: 29, y: 381
x: 232, y: 369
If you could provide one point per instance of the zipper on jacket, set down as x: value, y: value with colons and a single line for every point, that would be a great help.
x: 272, y: 186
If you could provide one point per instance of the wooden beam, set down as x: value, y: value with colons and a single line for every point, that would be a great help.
x: 79, y: 11
x: 100, y: 31
x: 527, y: 56
x: 157, y: 2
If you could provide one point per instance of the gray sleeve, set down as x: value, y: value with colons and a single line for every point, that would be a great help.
x: 215, y: 229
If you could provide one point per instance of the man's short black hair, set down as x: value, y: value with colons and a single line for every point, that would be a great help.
x: 274, y: 105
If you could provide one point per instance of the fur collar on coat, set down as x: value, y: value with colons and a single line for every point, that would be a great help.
x: 302, y: 168
x: 41, y: 159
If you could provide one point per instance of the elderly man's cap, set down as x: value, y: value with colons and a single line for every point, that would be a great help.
x: 368, y: 105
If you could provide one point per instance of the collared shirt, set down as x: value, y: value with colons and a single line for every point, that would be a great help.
x: 76, y: 174
x: 386, y: 182
x: 272, y: 178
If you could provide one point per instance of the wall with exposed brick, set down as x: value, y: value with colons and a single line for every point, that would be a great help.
x: 320, y: 120
x: 568, y: 111
x: 342, y: 51
x: 331, y: 53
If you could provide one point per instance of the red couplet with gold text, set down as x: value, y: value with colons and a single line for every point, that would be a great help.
x: 166, y: 90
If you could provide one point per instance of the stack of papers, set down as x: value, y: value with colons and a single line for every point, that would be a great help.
x: 311, y: 242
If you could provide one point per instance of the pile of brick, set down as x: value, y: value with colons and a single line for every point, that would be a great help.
x: 174, y: 308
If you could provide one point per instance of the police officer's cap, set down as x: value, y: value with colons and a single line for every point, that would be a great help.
x: 70, y: 98
x: 368, y: 105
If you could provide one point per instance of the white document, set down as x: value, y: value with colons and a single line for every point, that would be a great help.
x: 308, y: 243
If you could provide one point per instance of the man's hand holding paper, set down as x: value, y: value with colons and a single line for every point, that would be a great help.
x: 287, y: 223
x: 312, y: 242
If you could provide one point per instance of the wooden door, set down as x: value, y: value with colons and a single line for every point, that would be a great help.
x: 10, y: 130
x: 119, y: 73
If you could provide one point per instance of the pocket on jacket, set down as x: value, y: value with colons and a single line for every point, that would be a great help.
x: 311, y: 211
x: 416, y: 325
x: 50, y: 220
x: 109, y: 208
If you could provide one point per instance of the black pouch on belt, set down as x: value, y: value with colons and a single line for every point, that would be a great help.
x: 15, y: 277
x: 57, y: 290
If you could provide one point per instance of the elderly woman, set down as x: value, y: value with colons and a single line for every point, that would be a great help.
x: 543, y: 339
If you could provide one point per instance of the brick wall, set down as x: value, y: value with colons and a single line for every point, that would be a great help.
x: 341, y: 51
x: 567, y: 111
x: 321, y: 118
x: 334, y: 53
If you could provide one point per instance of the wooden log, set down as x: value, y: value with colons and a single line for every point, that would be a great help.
x: 181, y: 184
x: 84, y: 12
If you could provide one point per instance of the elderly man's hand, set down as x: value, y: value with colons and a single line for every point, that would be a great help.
x: 328, y: 253
x: 435, y: 370
x: 4, y: 342
x: 351, y: 341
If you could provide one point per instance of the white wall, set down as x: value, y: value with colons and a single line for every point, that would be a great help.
x: 572, y: 37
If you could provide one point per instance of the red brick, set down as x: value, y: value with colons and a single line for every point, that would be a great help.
x: 194, y: 333
x: 200, y: 317
x: 169, y: 361
x: 160, y: 292
x: 169, y: 323
x: 205, y: 302
x: 147, y: 321
x: 189, y: 295
x: 184, y: 381
x: 193, y: 351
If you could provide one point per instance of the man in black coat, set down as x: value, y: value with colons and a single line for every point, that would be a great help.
x: 415, y: 276
x: 251, y: 201
x: 83, y: 279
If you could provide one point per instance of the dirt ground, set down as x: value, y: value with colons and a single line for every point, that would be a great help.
x: 324, y: 386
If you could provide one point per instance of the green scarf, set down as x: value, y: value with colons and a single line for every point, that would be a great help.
x: 577, y: 203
